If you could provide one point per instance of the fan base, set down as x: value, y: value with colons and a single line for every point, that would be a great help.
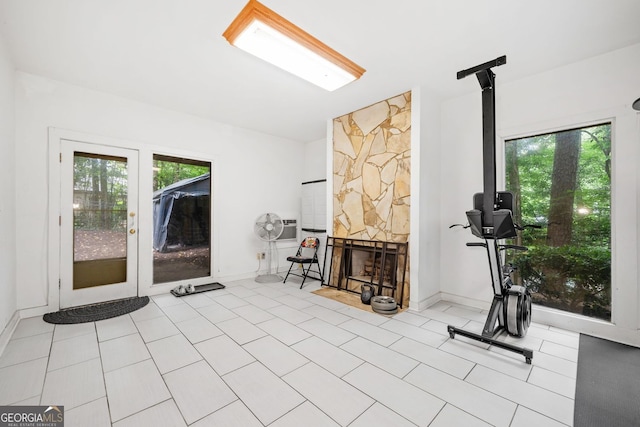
x: 269, y: 278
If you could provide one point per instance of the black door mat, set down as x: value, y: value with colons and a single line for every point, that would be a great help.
x: 199, y: 289
x: 607, y: 384
x: 95, y: 312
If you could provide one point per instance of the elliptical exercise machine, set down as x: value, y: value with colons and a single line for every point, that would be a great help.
x: 491, y: 219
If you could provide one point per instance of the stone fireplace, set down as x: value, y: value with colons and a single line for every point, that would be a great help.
x: 372, y: 174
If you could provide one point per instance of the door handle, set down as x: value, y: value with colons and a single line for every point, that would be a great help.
x: 132, y: 230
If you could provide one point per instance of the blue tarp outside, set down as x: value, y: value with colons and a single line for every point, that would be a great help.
x: 164, y: 200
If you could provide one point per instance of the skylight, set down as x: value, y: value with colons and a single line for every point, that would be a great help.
x: 263, y: 33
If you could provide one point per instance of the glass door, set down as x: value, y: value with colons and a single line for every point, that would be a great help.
x: 98, y: 223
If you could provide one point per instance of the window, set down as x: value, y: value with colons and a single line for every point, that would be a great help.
x: 181, y: 219
x: 562, y: 181
x: 100, y: 188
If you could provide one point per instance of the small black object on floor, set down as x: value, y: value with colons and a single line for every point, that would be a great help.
x: 607, y: 384
x: 95, y: 312
x: 199, y: 289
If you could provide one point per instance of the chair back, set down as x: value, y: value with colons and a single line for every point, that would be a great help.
x: 310, y: 242
x: 309, y: 248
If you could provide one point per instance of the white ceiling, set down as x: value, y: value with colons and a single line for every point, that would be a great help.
x: 171, y: 53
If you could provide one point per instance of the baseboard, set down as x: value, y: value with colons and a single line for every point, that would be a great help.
x: 585, y: 325
x: 425, y: 303
x: 35, y: 311
x: 468, y: 302
x: 164, y: 288
x: 7, y: 333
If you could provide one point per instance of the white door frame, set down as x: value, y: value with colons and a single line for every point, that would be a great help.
x: 70, y: 297
x: 54, y: 206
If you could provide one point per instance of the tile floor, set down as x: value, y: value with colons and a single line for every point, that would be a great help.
x: 272, y: 355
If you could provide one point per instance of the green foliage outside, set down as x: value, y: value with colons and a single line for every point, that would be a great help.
x: 100, y: 188
x: 585, y: 274
x: 168, y: 172
x: 575, y: 276
x: 100, y: 193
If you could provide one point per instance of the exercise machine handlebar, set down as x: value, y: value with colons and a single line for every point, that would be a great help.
x: 516, y: 226
x: 459, y: 225
x: 476, y: 244
x: 514, y: 247
x: 502, y: 247
x: 522, y: 227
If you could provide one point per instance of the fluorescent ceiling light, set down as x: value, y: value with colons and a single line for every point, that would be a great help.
x: 263, y: 33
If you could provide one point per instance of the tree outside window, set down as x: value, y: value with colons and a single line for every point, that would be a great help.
x: 562, y: 181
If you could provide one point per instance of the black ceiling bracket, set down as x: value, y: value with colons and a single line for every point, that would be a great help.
x: 482, y: 67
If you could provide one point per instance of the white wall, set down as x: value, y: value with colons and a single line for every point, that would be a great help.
x: 7, y: 189
x: 425, y: 194
x: 598, y: 89
x: 315, y: 160
x: 252, y: 173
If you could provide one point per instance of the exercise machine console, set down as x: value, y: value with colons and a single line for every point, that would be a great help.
x: 491, y: 219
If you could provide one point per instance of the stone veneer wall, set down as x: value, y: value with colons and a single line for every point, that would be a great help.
x: 372, y: 173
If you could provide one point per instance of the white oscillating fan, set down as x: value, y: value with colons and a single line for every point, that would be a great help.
x: 268, y: 227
